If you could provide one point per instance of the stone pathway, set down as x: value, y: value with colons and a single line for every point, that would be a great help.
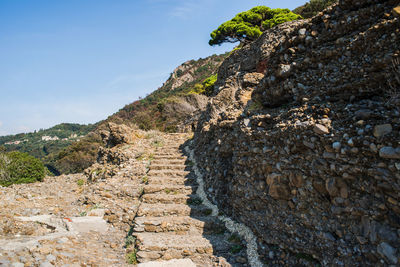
x: 173, y: 223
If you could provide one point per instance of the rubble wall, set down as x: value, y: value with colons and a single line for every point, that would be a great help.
x: 301, y: 141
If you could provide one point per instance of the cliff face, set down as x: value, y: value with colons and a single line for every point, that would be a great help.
x: 301, y: 138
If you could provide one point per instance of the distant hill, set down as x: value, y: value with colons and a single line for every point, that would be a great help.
x: 45, y: 143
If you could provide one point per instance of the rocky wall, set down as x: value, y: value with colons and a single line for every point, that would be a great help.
x: 301, y: 139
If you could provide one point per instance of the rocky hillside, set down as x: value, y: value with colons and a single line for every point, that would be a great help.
x: 174, y: 107
x: 300, y: 140
x: 177, y: 100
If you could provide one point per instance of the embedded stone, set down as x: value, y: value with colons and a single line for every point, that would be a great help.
x: 396, y: 11
x: 388, y: 252
x: 320, y: 129
x: 382, y: 130
x: 388, y: 152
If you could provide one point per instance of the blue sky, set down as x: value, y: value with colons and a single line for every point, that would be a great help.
x: 82, y: 60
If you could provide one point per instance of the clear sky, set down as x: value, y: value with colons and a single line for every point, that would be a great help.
x: 82, y: 60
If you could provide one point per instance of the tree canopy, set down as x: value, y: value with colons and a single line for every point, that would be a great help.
x: 249, y: 25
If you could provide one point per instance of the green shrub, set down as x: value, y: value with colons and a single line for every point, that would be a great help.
x: 206, y: 87
x: 131, y: 257
x: 248, y: 26
x: 20, y: 168
x: 179, y: 73
x: 209, y: 84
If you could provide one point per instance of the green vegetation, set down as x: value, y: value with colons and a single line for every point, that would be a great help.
x: 80, y: 182
x: 194, y: 201
x: 83, y: 214
x: 235, y: 249
x: 312, y: 8
x: 20, y: 168
x: 236, y: 241
x: 76, y: 157
x: 131, y: 257
x: 207, y: 212
x: 206, y: 87
x: 248, y: 26
x: 234, y: 238
x: 47, y: 144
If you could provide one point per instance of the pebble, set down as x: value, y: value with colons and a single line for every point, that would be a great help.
x: 388, y: 152
x: 388, y: 252
x: 382, y: 130
x: 271, y: 255
x: 46, y: 264
x: 302, y: 31
x: 373, y: 147
x: 336, y: 146
x: 397, y: 166
x: 320, y: 129
x: 51, y: 258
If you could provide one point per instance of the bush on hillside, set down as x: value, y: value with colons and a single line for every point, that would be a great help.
x: 248, y: 26
x: 19, y: 168
x: 78, y: 156
x: 206, y: 87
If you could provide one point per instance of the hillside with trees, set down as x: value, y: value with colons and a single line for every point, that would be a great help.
x: 46, y: 143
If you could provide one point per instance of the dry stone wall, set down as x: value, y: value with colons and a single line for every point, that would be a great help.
x: 301, y: 143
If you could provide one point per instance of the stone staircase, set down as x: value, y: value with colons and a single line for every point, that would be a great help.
x: 172, y: 222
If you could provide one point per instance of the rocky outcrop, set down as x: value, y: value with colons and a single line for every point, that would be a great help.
x: 114, y: 134
x: 300, y: 141
x: 185, y: 111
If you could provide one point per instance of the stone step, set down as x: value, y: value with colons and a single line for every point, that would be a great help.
x: 163, y: 173
x: 157, y: 180
x: 165, y: 198
x: 168, y: 147
x: 169, y: 154
x: 173, y: 157
x: 169, y: 263
x: 153, y: 246
x: 157, y: 210
x: 160, y: 167
x: 169, y: 161
x: 172, y: 188
x: 178, y: 225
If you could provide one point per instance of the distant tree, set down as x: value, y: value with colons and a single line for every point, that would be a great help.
x: 18, y: 168
x: 312, y: 8
x: 249, y: 25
